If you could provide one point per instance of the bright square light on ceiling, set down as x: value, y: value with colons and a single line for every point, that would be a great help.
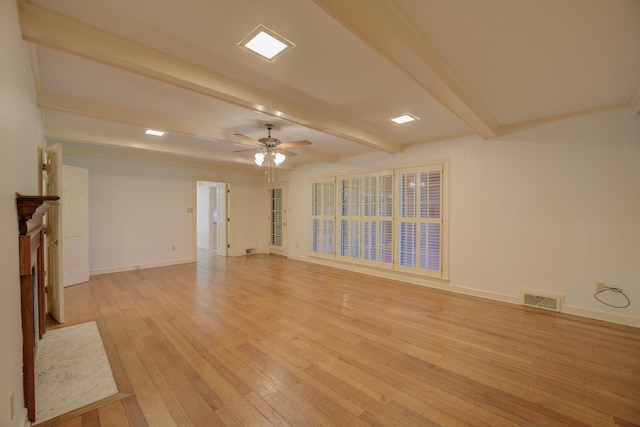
x: 155, y: 132
x: 266, y: 43
x: 405, y: 118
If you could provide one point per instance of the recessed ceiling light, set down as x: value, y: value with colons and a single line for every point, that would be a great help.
x: 155, y: 132
x: 266, y: 43
x: 405, y: 118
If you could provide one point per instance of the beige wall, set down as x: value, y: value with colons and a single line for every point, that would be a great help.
x: 138, y: 212
x: 553, y: 208
x: 20, y: 136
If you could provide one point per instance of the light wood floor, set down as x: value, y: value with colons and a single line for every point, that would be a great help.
x: 262, y: 340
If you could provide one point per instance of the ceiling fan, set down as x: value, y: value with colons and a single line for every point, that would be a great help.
x: 271, y: 151
x: 270, y: 145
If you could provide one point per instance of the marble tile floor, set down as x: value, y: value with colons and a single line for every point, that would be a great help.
x: 72, y: 370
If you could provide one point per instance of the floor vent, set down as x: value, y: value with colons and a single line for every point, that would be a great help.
x: 541, y: 299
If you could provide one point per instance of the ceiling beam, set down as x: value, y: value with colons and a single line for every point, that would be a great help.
x: 201, y: 154
x: 384, y: 27
x: 47, y: 28
x: 57, y: 101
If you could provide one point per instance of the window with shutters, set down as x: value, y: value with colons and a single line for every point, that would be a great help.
x: 277, y: 217
x: 323, y: 217
x: 365, y: 218
x: 386, y: 219
x: 419, y: 220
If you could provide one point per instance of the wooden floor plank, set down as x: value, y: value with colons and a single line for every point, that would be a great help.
x: 262, y: 340
x: 113, y: 414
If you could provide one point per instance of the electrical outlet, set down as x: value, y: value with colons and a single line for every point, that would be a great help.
x: 599, y: 286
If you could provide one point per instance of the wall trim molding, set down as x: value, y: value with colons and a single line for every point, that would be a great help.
x: 495, y: 296
x: 602, y: 315
x: 100, y: 271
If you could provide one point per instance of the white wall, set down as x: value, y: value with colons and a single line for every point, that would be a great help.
x: 554, y: 208
x: 20, y: 136
x: 138, y: 212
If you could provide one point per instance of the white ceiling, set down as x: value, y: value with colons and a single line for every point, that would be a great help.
x: 107, y: 69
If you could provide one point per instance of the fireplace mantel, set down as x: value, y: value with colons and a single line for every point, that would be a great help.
x: 31, y: 209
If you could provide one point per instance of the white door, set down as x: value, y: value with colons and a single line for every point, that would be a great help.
x: 54, y: 288
x: 213, y: 217
x: 223, y: 219
x: 75, y: 224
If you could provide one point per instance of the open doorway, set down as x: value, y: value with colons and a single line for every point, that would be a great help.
x: 211, y: 217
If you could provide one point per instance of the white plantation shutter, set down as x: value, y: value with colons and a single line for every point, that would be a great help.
x: 385, y: 219
x: 365, y: 219
x: 343, y: 215
x: 345, y: 224
x: 323, y: 217
x: 358, y: 210
x: 420, y: 220
x: 277, y: 218
x: 369, y: 238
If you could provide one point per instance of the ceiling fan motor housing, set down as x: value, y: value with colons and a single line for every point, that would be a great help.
x: 270, y: 142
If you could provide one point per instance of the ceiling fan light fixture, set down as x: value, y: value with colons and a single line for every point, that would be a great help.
x: 279, y: 158
x: 259, y: 159
x: 266, y: 43
x: 404, y: 118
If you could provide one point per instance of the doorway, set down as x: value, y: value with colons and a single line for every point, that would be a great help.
x: 212, y: 219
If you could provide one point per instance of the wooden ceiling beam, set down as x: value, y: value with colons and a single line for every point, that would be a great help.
x: 50, y: 29
x: 386, y: 29
x: 57, y: 101
x: 201, y: 154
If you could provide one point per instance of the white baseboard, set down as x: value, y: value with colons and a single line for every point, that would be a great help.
x: 602, y: 315
x: 416, y: 280
x: 140, y: 267
x: 567, y: 309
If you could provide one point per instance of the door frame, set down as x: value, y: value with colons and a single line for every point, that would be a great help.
x: 52, y: 169
x: 229, y: 238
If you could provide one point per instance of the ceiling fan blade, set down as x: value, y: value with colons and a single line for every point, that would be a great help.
x: 248, y: 139
x: 247, y: 149
x: 286, y: 152
x: 294, y: 144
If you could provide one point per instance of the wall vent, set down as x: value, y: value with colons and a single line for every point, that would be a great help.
x: 541, y: 299
x: 251, y: 251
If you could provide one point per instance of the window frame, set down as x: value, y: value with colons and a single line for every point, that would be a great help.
x: 323, y: 213
x: 357, y: 215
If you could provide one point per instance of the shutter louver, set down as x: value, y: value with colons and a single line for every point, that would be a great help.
x: 419, y: 228
x: 322, y: 218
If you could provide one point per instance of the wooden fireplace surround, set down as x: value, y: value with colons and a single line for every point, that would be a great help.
x: 31, y: 249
